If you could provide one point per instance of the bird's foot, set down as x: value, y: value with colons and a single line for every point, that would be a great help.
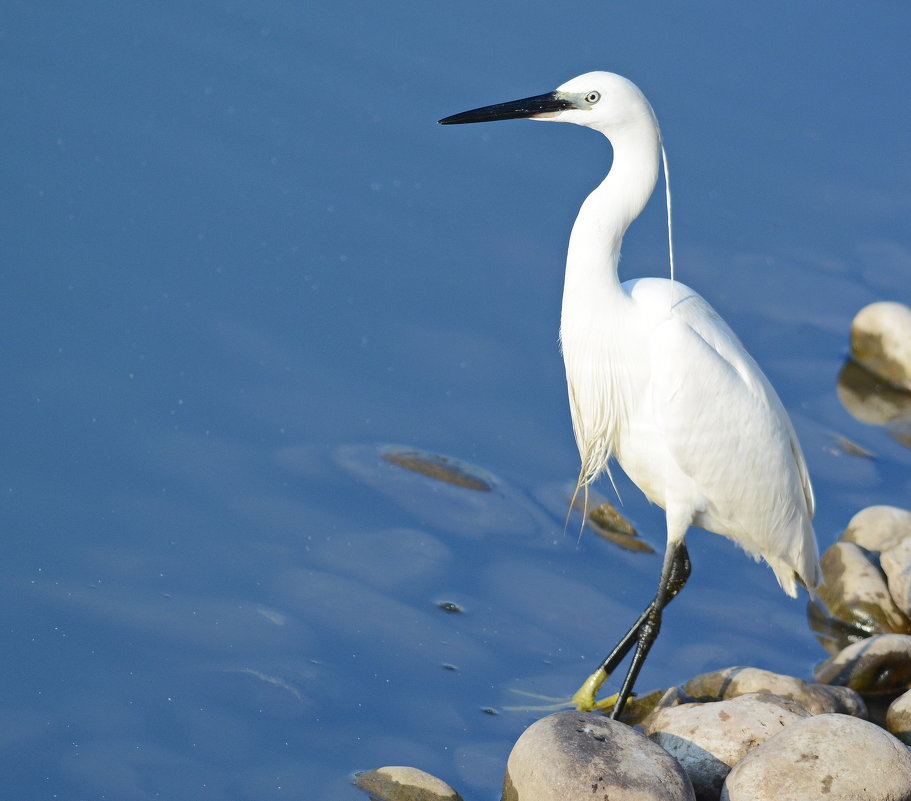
x: 584, y: 698
x: 553, y: 704
x: 605, y: 704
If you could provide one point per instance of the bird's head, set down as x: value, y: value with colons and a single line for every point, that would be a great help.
x: 600, y: 100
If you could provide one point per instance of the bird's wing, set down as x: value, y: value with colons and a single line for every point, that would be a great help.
x: 696, y: 312
x: 715, y: 408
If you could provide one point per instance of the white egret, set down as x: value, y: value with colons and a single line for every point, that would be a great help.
x: 659, y: 382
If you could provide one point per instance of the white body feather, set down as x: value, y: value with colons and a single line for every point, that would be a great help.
x: 658, y: 380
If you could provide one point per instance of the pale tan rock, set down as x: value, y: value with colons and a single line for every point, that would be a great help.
x: 400, y: 783
x: 896, y: 564
x: 881, y: 341
x: 833, y: 757
x: 709, y: 739
x: 878, y: 528
x: 734, y: 681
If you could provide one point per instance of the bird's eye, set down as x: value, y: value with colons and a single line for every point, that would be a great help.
x: 592, y: 97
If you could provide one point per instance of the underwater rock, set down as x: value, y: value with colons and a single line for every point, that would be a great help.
x: 832, y: 756
x: 442, y: 468
x: 606, y: 521
x: 582, y: 755
x: 881, y: 341
x: 452, y: 496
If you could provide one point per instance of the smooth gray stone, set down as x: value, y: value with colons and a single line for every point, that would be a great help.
x: 571, y: 756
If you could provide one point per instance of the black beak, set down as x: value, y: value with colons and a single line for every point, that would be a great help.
x: 527, y: 107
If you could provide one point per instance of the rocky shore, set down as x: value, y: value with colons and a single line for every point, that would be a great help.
x: 744, y: 734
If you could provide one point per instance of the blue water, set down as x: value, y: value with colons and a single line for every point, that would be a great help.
x: 238, y: 255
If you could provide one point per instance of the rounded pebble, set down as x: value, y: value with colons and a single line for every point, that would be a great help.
x: 898, y: 717
x: 896, y: 564
x: 836, y: 757
x: 881, y: 341
x: 398, y: 783
x: 845, y: 700
x: 878, y: 528
x: 855, y: 591
x: 880, y: 664
x: 709, y: 739
x: 569, y: 756
x: 734, y: 681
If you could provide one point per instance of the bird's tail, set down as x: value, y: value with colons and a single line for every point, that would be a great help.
x: 801, y: 567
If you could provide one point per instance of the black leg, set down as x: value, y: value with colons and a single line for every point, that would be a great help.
x: 674, y: 573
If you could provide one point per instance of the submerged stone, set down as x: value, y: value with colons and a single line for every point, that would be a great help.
x: 599, y: 514
x: 606, y: 516
x: 451, y: 495
x: 442, y: 468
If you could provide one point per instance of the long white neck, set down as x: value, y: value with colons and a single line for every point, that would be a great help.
x: 596, y: 311
x: 594, y: 244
